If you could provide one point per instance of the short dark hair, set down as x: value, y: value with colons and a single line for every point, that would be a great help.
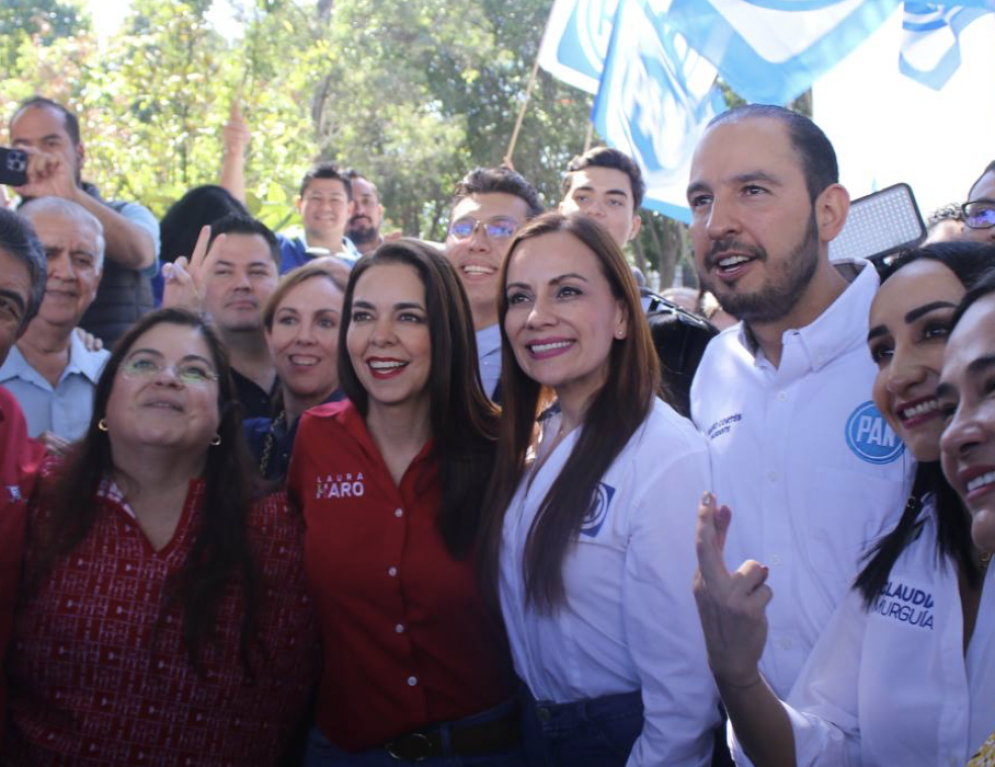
x: 200, y: 206
x: 71, y: 121
x: 606, y: 157
x: 326, y: 169
x: 494, y: 180
x: 990, y: 168
x: 236, y: 223
x: 18, y: 238
x: 812, y: 145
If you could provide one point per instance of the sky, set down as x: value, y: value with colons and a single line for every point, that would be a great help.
x: 107, y: 17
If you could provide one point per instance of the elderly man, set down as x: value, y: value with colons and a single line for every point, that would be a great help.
x: 51, y: 135
x: 50, y: 371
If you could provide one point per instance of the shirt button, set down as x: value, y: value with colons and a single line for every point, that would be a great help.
x: 392, y: 572
x: 772, y: 476
x: 399, y: 628
x: 782, y: 396
x: 776, y: 559
x: 412, y: 681
x: 398, y: 512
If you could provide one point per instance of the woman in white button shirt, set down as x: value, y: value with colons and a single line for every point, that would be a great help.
x: 589, y: 529
x: 895, y: 678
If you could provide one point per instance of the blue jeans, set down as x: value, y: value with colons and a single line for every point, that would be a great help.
x: 322, y: 753
x: 597, y: 732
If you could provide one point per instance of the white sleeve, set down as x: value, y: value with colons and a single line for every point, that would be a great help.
x: 822, y: 705
x: 680, y: 702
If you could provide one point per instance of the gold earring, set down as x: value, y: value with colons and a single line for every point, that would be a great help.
x: 217, y: 440
x: 102, y: 424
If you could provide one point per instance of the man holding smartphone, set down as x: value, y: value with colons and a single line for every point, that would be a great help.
x: 50, y: 134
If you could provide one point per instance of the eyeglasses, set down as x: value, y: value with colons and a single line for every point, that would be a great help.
x: 979, y: 214
x: 495, y: 228
x: 189, y: 373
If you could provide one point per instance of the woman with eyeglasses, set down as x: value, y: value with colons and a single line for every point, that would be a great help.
x: 391, y: 483
x: 164, y: 618
x: 588, y: 533
x: 979, y: 210
x: 904, y: 672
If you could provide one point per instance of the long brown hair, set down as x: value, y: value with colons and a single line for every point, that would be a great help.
x: 221, y: 550
x: 464, y: 422
x: 612, y: 417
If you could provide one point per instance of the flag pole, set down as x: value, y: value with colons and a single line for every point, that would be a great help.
x: 521, y: 114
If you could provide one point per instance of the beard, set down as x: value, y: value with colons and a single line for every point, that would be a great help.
x: 785, y: 284
x: 360, y: 233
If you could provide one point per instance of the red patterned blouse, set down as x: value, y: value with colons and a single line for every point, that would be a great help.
x: 99, y: 673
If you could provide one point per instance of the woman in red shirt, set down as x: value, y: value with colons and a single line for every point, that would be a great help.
x: 416, y: 666
x: 165, y: 619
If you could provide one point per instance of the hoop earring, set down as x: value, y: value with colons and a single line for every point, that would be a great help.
x: 102, y: 424
x: 217, y: 440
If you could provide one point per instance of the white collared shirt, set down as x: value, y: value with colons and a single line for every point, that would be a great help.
x: 810, y: 469
x: 64, y: 410
x: 891, y: 686
x: 630, y: 621
x: 489, y: 357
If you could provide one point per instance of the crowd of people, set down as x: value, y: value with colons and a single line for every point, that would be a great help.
x: 342, y: 497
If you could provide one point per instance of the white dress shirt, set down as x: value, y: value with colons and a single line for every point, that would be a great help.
x: 489, y: 357
x: 66, y: 409
x: 810, y: 469
x: 891, y: 686
x: 629, y: 622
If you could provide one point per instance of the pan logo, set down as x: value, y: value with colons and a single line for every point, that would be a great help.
x: 598, y: 512
x: 870, y: 438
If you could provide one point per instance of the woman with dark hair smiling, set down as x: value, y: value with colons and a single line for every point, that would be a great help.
x: 904, y: 673
x: 589, y: 534
x: 391, y: 483
x: 166, y: 620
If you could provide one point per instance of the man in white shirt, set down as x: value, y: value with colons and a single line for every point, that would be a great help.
x: 811, y: 471
x: 50, y: 371
x: 489, y: 206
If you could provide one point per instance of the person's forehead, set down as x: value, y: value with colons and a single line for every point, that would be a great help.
x: 746, y: 145
x: 52, y: 226
x: 491, y: 205
x: 14, y: 274
x: 245, y: 249
x: 39, y: 120
x: 326, y: 186
x: 361, y: 187
x: 973, y: 338
x: 601, y: 180
x: 985, y: 188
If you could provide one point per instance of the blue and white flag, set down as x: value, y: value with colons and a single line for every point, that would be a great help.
x: 575, y: 43
x: 771, y: 51
x: 931, y: 38
x: 656, y: 97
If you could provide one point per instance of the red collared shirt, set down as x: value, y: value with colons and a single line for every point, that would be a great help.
x: 407, y: 638
x: 20, y: 458
x: 99, y: 672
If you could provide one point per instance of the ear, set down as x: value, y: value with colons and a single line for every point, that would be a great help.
x: 621, y: 328
x: 80, y: 156
x: 637, y: 223
x: 350, y: 209
x: 831, y: 207
x: 298, y: 203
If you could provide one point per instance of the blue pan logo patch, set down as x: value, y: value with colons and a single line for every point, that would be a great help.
x: 870, y: 438
x: 598, y: 512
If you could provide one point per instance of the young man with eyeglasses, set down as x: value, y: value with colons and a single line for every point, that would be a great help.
x: 489, y: 206
x: 979, y: 210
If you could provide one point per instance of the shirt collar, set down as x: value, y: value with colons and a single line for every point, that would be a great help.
x: 489, y: 339
x: 83, y: 361
x: 839, y: 328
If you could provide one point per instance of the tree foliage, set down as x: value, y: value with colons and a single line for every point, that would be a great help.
x: 413, y: 93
